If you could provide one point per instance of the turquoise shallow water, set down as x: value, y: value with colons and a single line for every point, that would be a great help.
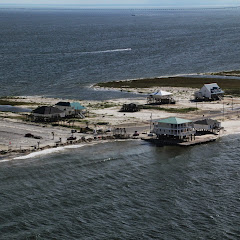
x: 137, y: 191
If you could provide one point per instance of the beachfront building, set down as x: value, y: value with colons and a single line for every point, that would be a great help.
x: 71, y: 109
x: 209, y: 92
x: 66, y: 108
x: 47, y: 113
x: 175, y: 128
x: 207, y: 125
x: 160, y: 97
x: 79, y: 110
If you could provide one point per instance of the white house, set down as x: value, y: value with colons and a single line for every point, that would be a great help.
x: 65, y: 107
x: 209, y: 92
x: 206, y: 125
x: 173, y: 127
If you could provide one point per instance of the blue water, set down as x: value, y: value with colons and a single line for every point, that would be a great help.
x: 119, y: 190
x: 9, y: 108
x: 60, y: 53
x: 137, y: 191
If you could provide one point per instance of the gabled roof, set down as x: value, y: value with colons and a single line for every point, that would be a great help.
x: 206, y: 122
x: 174, y: 120
x: 213, y: 87
x: 77, y: 106
x: 65, y: 104
x: 47, y: 110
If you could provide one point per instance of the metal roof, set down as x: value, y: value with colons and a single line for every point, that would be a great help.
x: 65, y: 104
x: 77, y: 106
x: 174, y: 120
x: 213, y: 88
x: 206, y: 122
x: 46, y: 110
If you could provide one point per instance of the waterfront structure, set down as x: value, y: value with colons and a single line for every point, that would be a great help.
x: 175, y: 128
x: 209, y: 92
x: 65, y: 107
x: 79, y: 110
x: 71, y: 109
x: 207, y: 125
x: 47, y: 113
x: 160, y: 97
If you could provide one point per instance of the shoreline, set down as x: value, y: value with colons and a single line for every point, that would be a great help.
x: 53, y: 150
x: 15, y: 155
x: 231, y: 127
x: 105, y: 115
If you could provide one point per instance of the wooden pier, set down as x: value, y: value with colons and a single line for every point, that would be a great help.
x: 200, y: 140
x: 174, y: 142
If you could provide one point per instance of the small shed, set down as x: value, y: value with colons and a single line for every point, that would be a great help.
x: 131, y: 107
x: 161, y: 97
x: 209, y: 92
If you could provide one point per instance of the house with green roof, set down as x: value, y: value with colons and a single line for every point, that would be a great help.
x: 78, y: 109
x: 77, y: 106
x: 174, y: 127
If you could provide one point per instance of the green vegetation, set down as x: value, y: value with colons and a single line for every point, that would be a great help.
x: 102, y: 105
x: 170, y: 110
x: 230, y: 86
x: 102, y: 123
x: 227, y: 73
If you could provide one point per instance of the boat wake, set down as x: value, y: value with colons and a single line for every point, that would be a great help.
x: 68, y: 53
x: 106, y: 51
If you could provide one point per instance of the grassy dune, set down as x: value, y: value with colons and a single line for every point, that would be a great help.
x: 227, y: 73
x: 230, y: 86
x: 15, y: 103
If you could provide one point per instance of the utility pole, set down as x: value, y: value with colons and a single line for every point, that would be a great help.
x: 223, y: 111
x: 151, y: 123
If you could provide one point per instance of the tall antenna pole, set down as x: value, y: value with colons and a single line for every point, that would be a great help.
x: 151, y: 123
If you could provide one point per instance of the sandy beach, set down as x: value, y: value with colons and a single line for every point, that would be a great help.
x: 104, y: 116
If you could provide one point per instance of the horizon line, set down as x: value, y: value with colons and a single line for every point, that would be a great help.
x: 114, y: 6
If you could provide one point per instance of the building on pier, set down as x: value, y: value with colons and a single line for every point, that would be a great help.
x: 174, y: 128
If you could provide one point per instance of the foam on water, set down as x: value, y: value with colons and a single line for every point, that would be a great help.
x: 48, y: 151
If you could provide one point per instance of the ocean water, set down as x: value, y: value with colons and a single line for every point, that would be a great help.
x: 137, y: 191
x: 126, y: 189
x: 60, y: 53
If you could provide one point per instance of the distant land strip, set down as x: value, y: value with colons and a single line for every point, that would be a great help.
x: 230, y: 86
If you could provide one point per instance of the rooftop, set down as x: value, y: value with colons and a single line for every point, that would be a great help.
x: 206, y: 121
x: 46, y: 110
x: 65, y: 104
x: 77, y: 106
x: 174, y: 120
